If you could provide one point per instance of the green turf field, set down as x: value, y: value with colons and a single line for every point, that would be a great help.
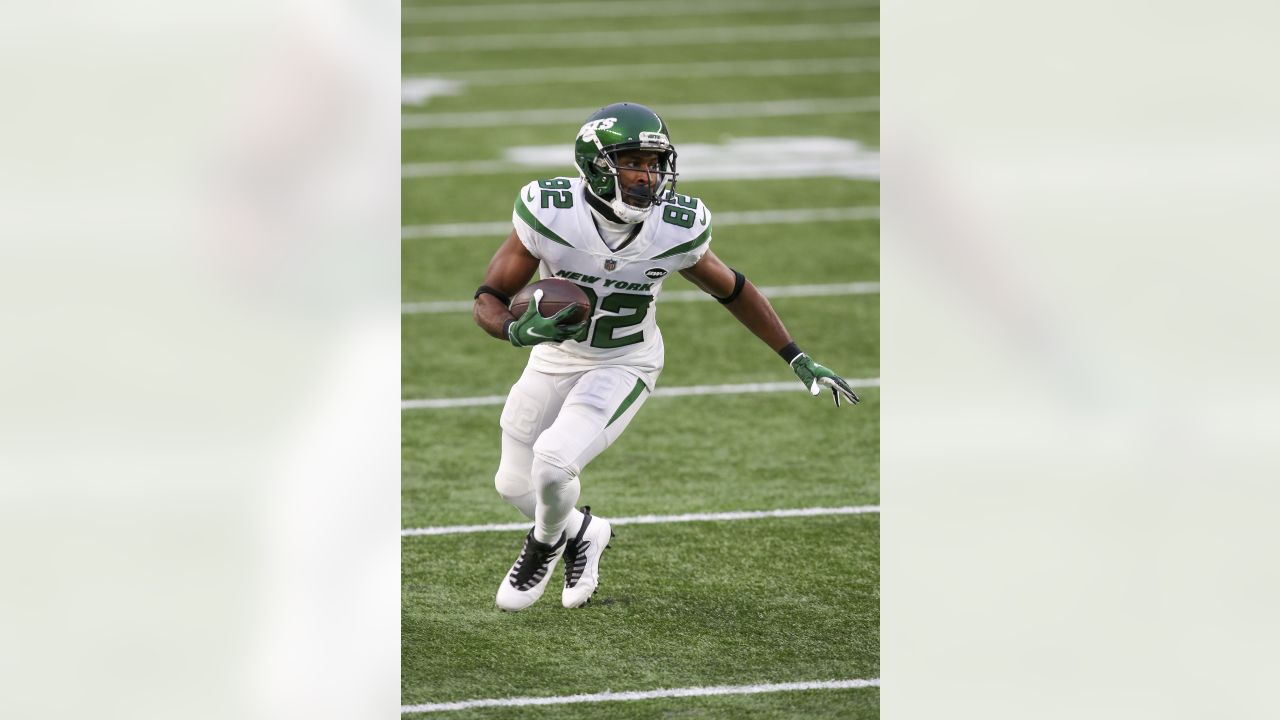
x: 681, y: 604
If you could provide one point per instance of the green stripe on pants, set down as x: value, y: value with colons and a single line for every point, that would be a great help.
x: 635, y: 393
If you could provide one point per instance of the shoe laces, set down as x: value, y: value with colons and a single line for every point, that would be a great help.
x: 535, y: 558
x: 575, y: 552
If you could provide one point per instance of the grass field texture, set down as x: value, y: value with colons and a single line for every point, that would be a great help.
x: 681, y: 605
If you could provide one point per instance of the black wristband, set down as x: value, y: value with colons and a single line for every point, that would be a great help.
x: 486, y: 290
x: 738, y: 281
x: 506, y: 328
x: 789, y: 352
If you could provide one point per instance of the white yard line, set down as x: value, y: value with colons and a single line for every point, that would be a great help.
x: 723, y: 219
x: 642, y: 695
x: 681, y: 391
x: 653, y: 8
x: 774, y: 157
x: 657, y: 519
x: 646, y: 39
x: 463, y: 167
x: 796, y: 215
x: 702, y: 111
x: 451, y: 230
x: 586, y: 73
x: 776, y: 291
x: 797, y: 167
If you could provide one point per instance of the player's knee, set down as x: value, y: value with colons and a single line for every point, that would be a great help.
x: 549, y: 473
x: 510, y: 484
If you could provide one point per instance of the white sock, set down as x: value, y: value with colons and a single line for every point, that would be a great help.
x: 557, y: 492
x: 525, y: 503
x: 574, y: 524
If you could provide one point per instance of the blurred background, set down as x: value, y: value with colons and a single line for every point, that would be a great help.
x: 201, y: 388
x: 1076, y: 253
x: 199, y: 385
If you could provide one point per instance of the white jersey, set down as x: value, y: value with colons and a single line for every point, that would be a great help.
x: 554, y: 222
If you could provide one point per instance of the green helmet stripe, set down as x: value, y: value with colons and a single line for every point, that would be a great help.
x: 686, y: 247
x: 537, y: 225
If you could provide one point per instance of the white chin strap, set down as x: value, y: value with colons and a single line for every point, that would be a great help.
x: 627, y: 213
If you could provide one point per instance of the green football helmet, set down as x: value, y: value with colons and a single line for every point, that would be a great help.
x: 618, y: 128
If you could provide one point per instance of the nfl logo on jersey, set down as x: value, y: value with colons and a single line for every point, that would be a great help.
x: 610, y: 264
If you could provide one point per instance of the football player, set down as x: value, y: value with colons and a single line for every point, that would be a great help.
x: 617, y: 230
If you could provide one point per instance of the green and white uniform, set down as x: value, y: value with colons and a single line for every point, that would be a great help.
x: 556, y: 225
x: 576, y: 398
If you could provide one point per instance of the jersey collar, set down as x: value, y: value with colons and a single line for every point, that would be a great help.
x: 635, y: 243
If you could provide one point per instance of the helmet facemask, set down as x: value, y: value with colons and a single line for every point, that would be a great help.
x: 633, y: 204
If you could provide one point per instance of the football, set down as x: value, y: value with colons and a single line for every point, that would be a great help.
x: 557, y: 295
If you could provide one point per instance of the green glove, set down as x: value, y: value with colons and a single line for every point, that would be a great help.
x: 531, y: 328
x: 815, y: 377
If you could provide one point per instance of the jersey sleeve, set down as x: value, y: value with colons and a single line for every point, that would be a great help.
x: 701, y: 240
x: 520, y: 215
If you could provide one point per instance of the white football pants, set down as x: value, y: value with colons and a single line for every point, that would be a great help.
x: 552, y: 426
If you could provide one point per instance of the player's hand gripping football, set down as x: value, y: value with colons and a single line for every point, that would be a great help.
x: 815, y: 377
x: 532, y: 329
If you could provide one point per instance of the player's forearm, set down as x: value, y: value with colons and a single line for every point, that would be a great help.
x: 754, y: 311
x: 492, y: 316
